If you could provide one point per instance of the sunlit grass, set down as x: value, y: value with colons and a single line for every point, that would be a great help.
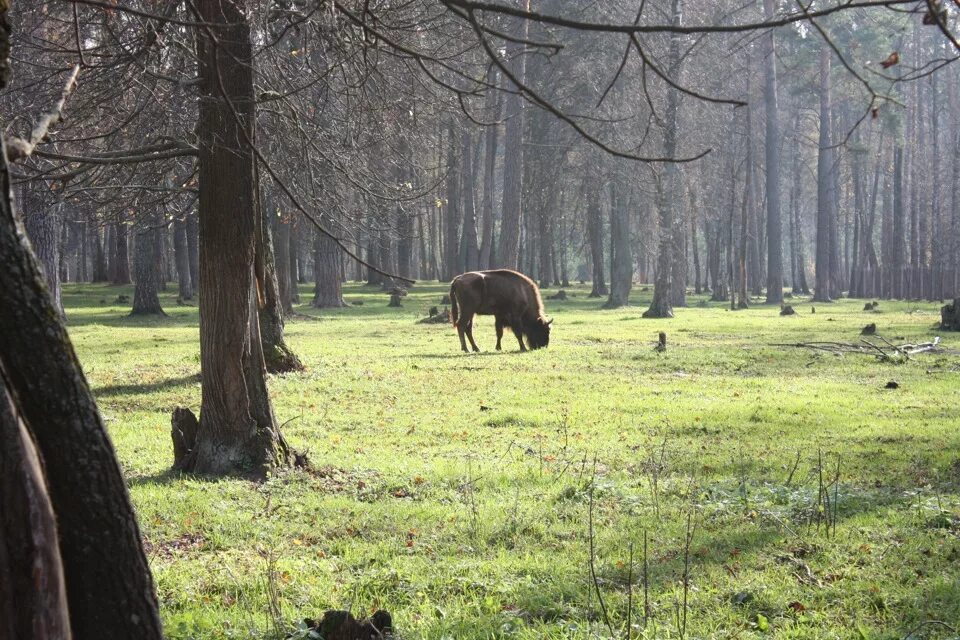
x: 453, y: 490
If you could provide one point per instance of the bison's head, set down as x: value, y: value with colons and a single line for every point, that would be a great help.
x: 538, y: 333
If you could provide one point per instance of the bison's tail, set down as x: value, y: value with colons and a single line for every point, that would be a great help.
x: 454, y: 307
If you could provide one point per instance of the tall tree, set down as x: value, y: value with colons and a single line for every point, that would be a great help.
x: 825, y: 186
x: 771, y: 145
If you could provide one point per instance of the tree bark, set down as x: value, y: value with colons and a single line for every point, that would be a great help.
x: 237, y: 432
x: 595, y: 235
x: 109, y: 590
x: 121, y: 275
x: 471, y: 240
x: 489, y: 173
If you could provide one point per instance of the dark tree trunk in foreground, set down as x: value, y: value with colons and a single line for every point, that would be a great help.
x: 109, y: 591
x: 237, y: 432
x: 277, y: 356
x: 660, y: 306
x: 146, y: 296
x: 508, y: 249
x: 825, y: 195
x: 327, y: 290
x: 182, y: 256
x: 42, y: 222
x: 621, y: 258
x: 121, y: 275
x: 772, y: 143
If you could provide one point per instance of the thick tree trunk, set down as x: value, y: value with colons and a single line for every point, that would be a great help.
x: 771, y: 144
x: 181, y: 253
x: 109, y: 590
x: 327, y: 292
x: 237, y: 432
x: 146, y: 296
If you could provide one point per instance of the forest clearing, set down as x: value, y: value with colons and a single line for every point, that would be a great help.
x: 479, y: 319
x: 453, y: 490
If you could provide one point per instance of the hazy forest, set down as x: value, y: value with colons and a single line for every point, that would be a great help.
x: 244, y: 246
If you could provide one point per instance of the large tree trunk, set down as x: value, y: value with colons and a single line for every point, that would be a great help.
x: 327, y: 290
x: 772, y: 142
x: 237, y: 432
x: 146, y: 296
x: 508, y: 248
x: 109, y: 590
x: 825, y: 195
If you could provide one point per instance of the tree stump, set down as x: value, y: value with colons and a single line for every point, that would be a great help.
x: 950, y: 316
x: 869, y: 330
x: 661, y: 342
x: 183, y: 430
x: 395, y: 300
x: 559, y: 295
x: 787, y: 310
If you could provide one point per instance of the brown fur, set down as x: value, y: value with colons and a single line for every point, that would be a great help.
x: 513, y: 298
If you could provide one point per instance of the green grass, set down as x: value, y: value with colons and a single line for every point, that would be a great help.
x: 454, y: 490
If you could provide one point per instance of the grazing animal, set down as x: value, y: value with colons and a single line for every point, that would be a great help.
x: 511, y: 297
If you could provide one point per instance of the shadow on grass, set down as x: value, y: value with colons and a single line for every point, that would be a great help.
x: 168, y: 384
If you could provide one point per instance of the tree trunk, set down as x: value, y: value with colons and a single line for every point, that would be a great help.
x: 467, y: 181
x: 661, y: 306
x: 277, y: 356
x: 193, y: 250
x: 825, y: 195
x: 146, y: 297
x: 237, y: 432
x: 508, y: 248
x: 595, y: 234
x: 99, y: 255
x: 282, y: 247
x: 42, y: 222
x: 451, y: 218
x: 122, y: 253
x: 181, y: 253
x: 621, y: 259
x: 109, y: 590
x: 326, y: 273
x: 489, y: 173
x: 772, y: 142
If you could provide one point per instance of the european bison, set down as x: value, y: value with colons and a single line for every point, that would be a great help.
x: 511, y: 297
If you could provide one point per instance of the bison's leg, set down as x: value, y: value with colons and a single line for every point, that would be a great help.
x: 515, y: 324
x: 470, y: 334
x: 461, y: 332
x: 499, y: 332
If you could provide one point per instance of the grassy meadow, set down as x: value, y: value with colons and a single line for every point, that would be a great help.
x: 800, y: 497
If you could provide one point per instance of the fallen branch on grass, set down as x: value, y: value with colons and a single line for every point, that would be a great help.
x: 888, y: 352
